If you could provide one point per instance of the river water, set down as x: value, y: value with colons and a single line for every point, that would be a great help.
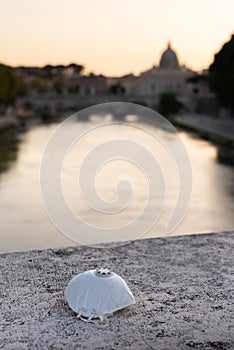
x: 25, y: 225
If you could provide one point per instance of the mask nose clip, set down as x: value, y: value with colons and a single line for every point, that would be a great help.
x: 103, y: 272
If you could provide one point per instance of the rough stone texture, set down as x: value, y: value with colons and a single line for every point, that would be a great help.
x: 183, y: 288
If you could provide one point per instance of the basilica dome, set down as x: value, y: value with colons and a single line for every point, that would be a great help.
x: 169, y: 58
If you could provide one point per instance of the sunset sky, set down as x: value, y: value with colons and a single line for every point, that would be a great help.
x: 113, y: 37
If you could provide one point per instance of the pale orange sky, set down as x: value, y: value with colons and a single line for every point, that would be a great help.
x: 113, y: 37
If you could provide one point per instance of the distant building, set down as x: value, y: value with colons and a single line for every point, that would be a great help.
x: 169, y: 75
x: 65, y: 87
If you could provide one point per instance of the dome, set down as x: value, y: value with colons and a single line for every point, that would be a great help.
x: 169, y: 59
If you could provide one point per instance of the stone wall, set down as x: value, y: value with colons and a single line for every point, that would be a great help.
x: 183, y: 288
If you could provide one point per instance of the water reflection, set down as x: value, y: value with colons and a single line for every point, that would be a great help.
x: 9, y: 142
x: 116, y: 114
x: 25, y: 225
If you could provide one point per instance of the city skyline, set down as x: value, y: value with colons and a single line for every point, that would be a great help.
x: 113, y: 38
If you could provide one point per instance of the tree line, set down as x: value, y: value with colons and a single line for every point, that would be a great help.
x: 220, y: 79
x: 11, y: 86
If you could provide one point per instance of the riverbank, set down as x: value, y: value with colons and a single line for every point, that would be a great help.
x: 220, y: 130
x: 182, y: 285
x: 7, y: 122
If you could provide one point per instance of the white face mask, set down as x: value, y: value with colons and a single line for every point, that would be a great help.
x: 96, y: 294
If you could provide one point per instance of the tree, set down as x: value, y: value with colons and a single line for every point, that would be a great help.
x: 21, y: 87
x: 11, y: 86
x: 221, y: 75
x: 74, y: 89
x: 40, y: 85
x: 116, y: 89
x: 48, y: 70
x: 58, y: 85
x: 77, y: 68
x: 168, y: 103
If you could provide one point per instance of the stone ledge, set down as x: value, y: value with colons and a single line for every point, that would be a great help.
x: 183, y: 288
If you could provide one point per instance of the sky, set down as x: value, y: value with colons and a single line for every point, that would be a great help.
x: 113, y: 37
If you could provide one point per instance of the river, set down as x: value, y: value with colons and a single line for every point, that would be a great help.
x: 24, y: 224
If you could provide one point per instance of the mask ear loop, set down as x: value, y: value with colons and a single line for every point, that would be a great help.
x: 79, y: 312
x: 101, y: 322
